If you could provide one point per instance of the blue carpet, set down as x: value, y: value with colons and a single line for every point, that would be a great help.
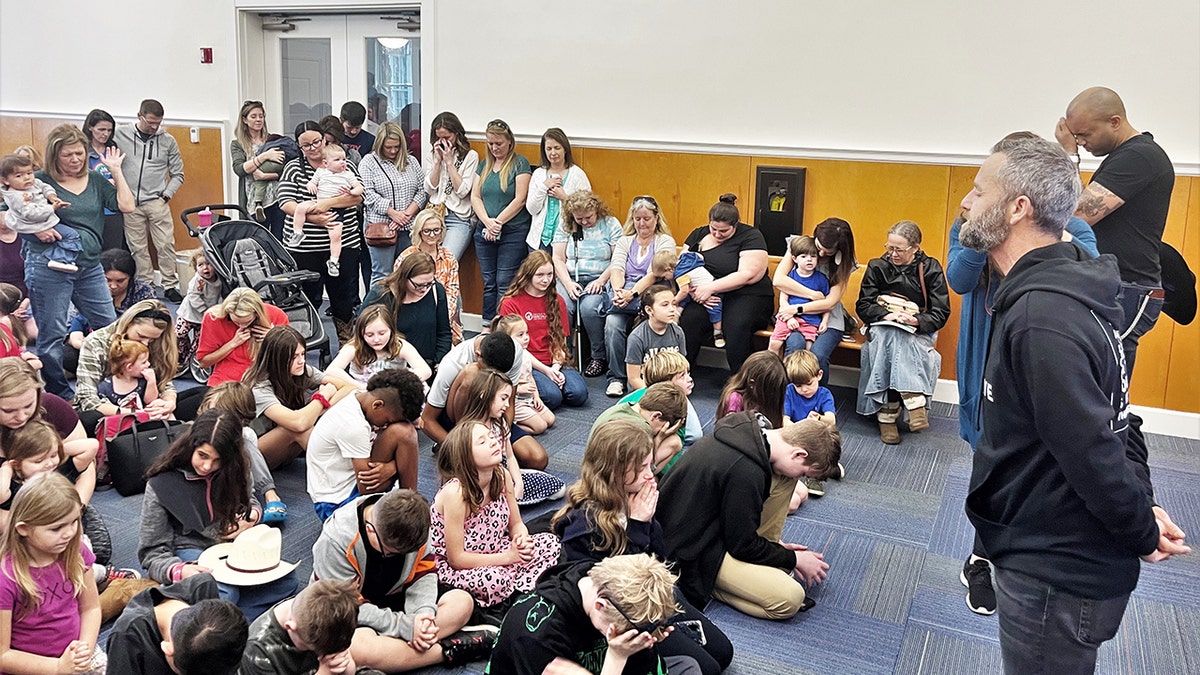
x: 895, y: 536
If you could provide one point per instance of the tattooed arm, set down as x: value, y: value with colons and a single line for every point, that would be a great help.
x: 1096, y: 202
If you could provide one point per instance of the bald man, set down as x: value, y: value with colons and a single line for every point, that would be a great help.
x: 1126, y: 202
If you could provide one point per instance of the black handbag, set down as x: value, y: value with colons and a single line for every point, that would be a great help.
x: 133, y: 450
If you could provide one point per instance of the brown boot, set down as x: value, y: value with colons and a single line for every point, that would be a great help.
x: 889, y: 433
x: 918, y: 419
x: 345, y: 332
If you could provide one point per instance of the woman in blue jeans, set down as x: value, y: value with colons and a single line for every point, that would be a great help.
x: 583, y: 249
x: 835, y: 243
x: 51, y: 292
x: 450, y: 166
x: 498, y: 198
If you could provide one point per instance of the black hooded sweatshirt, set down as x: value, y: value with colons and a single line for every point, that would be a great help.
x: 1055, y: 493
x: 552, y: 622
x: 711, y: 504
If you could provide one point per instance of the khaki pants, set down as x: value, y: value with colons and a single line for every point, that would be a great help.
x: 758, y: 590
x: 152, y: 222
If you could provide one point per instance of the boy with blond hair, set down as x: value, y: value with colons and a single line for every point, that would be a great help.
x: 673, y: 367
x: 597, y: 617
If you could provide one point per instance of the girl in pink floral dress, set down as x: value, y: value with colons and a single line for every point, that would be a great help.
x: 477, y: 537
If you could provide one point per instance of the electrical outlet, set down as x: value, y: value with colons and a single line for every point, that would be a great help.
x: 195, y: 132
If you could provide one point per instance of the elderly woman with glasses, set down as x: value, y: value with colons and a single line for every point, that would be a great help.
x: 429, y: 232
x: 498, y: 198
x: 903, y: 302
x: 419, y: 304
x: 646, y: 233
x: 312, y: 252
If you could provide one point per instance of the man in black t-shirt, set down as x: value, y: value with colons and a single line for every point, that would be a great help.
x: 1126, y: 202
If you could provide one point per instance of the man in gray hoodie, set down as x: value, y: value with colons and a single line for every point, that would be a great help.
x: 154, y: 169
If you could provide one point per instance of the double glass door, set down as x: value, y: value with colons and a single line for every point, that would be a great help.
x: 330, y: 59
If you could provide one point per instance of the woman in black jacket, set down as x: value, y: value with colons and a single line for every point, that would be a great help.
x: 903, y: 303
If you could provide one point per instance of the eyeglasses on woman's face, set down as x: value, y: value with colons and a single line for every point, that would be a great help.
x: 312, y: 145
x: 421, y: 287
x: 893, y: 250
x: 431, y: 231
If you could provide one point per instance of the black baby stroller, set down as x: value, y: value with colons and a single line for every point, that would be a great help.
x: 244, y: 253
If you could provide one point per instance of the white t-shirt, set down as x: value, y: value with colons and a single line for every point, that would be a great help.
x: 341, y: 434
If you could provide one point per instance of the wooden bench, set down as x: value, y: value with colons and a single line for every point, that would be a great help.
x: 853, y: 286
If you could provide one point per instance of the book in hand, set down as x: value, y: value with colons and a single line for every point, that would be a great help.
x: 896, y: 324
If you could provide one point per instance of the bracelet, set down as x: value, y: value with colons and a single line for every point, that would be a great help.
x: 320, y: 398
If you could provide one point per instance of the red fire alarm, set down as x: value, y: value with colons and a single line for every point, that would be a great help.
x: 206, y: 55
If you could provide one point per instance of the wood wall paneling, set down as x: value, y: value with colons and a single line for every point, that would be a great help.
x: 1183, y: 372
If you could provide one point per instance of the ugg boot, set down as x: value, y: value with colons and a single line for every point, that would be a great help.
x: 888, y: 431
x: 918, y: 418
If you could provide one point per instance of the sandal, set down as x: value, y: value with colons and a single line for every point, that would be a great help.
x: 274, y: 513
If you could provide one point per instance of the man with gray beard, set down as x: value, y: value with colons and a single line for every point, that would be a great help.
x: 1062, y: 508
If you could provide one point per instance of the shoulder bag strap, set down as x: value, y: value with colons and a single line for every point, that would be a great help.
x: 924, y: 293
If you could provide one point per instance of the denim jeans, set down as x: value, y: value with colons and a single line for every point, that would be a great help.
x: 498, y: 263
x: 458, y: 235
x: 252, y: 600
x: 593, y: 308
x: 1046, y: 630
x: 574, y: 391
x: 616, y: 337
x: 383, y: 258
x: 822, y: 347
x: 51, y: 294
x: 1141, y: 313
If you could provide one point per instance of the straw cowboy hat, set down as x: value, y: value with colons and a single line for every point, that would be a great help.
x: 252, y: 559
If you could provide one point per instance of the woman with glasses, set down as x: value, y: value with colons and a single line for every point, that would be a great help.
x: 583, y: 247
x: 904, y: 301
x: 429, y: 231
x: 556, y: 177
x: 395, y: 192
x: 450, y: 168
x: 498, y: 198
x: 736, y: 255
x: 312, y: 252
x: 419, y: 304
x: 835, y: 259
x: 646, y: 233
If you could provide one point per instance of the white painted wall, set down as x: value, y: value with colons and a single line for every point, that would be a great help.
x: 69, y: 56
x: 929, y: 76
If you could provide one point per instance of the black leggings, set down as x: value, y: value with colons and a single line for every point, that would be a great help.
x: 342, y: 289
x: 717, y: 652
x: 743, y: 314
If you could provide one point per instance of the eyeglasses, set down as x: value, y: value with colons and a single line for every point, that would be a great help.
x: 646, y: 198
x: 432, y: 233
x: 499, y: 124
x: 650, y: 627
x: 893, y: 250
x: 313, y: 145
x: 421, y: 287
x: 382, y: 549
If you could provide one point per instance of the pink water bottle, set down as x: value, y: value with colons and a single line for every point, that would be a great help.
x: 205, y: 217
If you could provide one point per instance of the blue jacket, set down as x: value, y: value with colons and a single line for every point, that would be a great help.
x: 965, y: 274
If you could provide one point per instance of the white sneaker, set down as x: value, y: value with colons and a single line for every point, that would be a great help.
x: 333, y: 267
x: 615, y: 389
x: 293, y: 237
x: 70, y: 268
